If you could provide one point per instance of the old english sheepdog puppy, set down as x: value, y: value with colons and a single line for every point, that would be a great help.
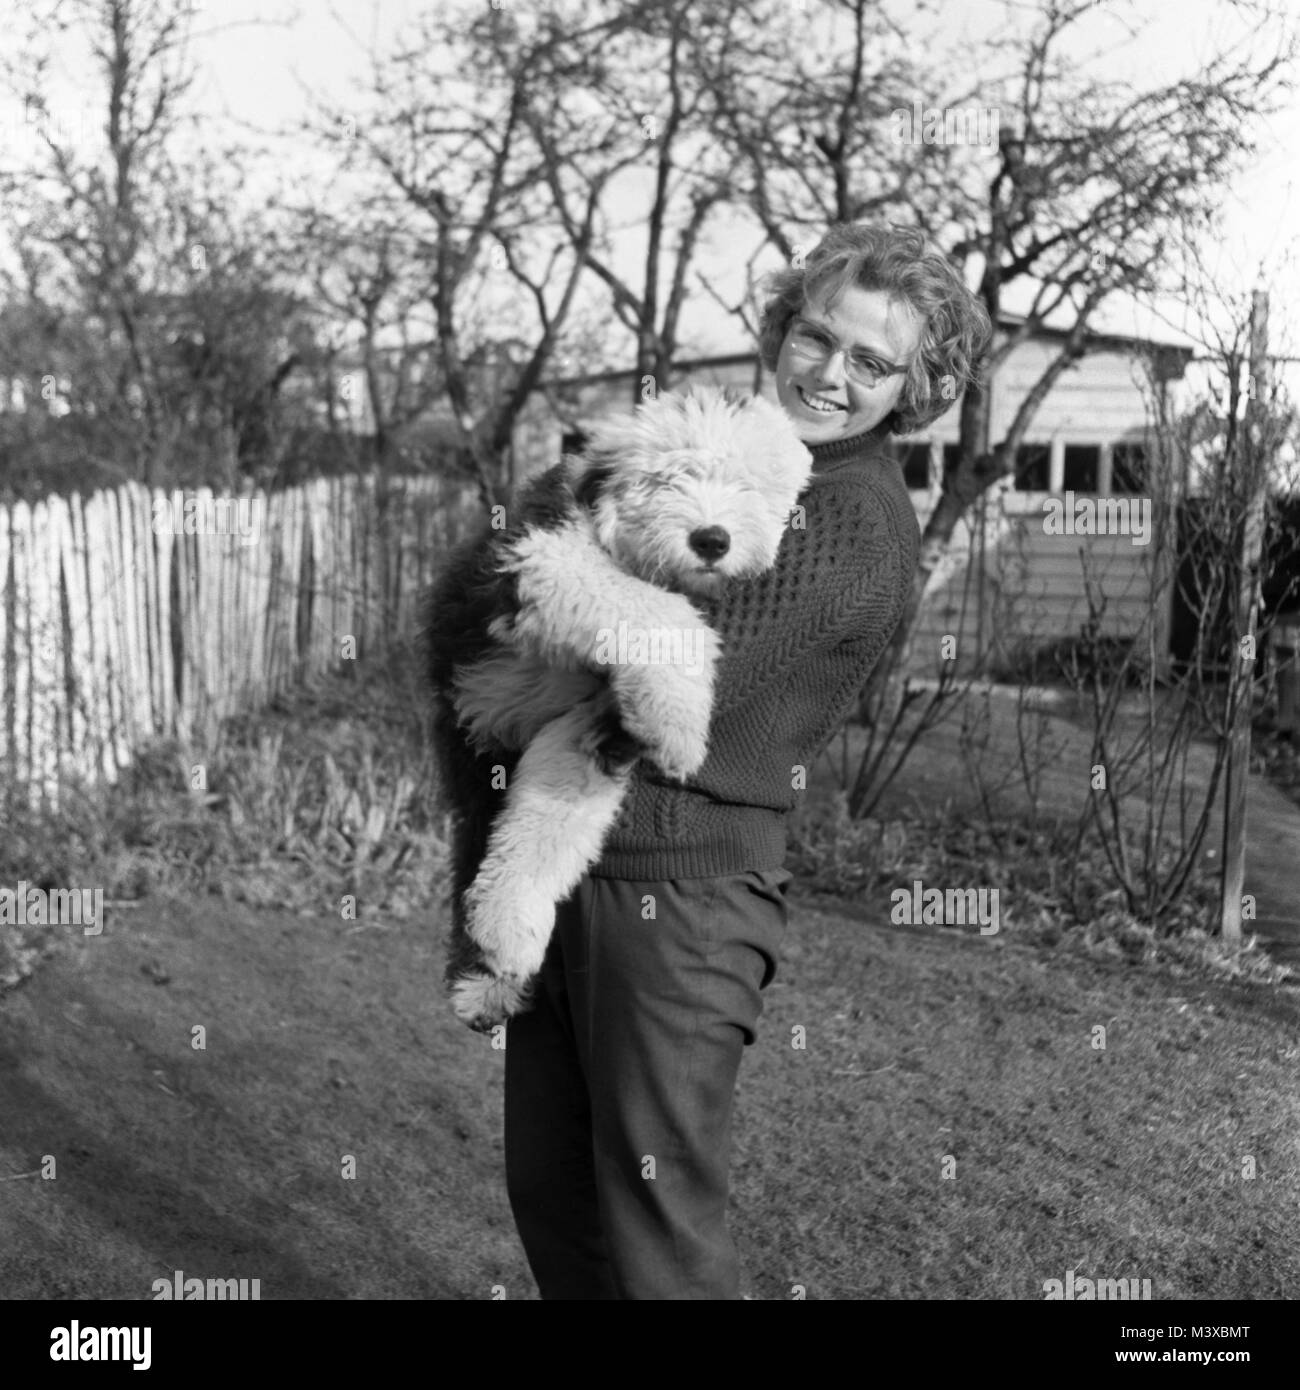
x: 563, y: 645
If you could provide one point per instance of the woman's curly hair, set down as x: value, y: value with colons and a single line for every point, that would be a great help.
x: 898, y: 261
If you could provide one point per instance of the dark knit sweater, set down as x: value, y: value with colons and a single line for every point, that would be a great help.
x: 798, y: 645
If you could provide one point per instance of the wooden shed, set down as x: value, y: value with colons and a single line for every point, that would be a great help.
x: 1016, y: 576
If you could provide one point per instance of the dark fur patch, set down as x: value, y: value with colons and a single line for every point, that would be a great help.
x: 591, y: 483
x: 613, y: 747
x: 470, y: 592
x: 543, y: 503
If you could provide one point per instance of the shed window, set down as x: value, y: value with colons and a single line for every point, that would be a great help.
x: 1081, y: 464
x: 1033, y: 467
x: 916, y: 466
x: 1129, y: 469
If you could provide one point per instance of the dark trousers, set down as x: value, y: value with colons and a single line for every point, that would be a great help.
x: 619, y: 1084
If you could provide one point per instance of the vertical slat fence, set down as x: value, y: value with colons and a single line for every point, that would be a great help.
x: 131, y: 614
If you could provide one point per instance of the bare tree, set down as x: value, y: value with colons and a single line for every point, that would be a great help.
x: 238, y: 327
x: 805, y: 94
x: 1090, y: 191
x: 628, y: 141
x: 368, y: 278
x: 166, y: 317
x: 454, y: 185
x: 1150, y: 817
x: 95, y: 209
x: 1096, y: 188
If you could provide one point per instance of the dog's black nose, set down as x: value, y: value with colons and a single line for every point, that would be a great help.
x: 710, y: 542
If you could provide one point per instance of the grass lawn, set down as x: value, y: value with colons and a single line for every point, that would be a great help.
x: 1116, y: 1163
x: 927, y: 1052
x: 325, y: 1039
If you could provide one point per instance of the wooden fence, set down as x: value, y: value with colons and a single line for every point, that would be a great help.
x: 132, y: 615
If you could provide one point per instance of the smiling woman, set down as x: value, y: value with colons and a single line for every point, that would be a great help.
x: 619, y: 1083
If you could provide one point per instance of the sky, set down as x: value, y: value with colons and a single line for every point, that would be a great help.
x: 260, y: 61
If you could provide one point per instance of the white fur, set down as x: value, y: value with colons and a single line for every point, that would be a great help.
x: 685, y: 462
x: 558, y: 810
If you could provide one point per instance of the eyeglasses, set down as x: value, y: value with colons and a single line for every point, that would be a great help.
x: 812, y: 341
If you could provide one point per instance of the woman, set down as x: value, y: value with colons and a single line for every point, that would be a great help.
x: 619, y: 1082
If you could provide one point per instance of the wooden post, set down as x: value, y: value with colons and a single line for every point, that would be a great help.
x: 1241, y: 682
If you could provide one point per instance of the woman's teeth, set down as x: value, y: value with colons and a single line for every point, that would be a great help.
x: 818, y: 403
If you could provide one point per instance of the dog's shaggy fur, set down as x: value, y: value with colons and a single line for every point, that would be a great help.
x: 564, y: 646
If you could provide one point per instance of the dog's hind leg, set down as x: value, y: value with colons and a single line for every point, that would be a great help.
x: 564, y: 797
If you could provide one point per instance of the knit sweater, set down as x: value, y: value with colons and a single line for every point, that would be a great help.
x: 798, y: 644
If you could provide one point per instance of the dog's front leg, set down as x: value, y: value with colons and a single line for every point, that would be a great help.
x: 572, y: 600
x: 667, y: 709
x: 575, y: 604
x: 564, y: 797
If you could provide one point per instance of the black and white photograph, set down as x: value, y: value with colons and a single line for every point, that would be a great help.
x: 650, y: 649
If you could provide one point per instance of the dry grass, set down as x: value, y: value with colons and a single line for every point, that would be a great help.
x: 328, y: 1036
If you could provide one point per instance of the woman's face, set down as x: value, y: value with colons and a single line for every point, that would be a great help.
x: 821, y: 396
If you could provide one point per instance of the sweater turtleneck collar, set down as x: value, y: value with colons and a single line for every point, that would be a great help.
x: 837, y: 452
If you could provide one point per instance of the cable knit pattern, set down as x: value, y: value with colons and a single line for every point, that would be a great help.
x: 798, y: 645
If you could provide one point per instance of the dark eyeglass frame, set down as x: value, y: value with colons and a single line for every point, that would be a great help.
x: 867, y: 369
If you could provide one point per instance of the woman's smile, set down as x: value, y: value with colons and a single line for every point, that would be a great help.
x: 821, y: 404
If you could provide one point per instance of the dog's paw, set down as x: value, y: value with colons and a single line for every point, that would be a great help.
x: 678, y: 753
x: 511, y: 929
x: 484, y: 1001
x: 667, y: 710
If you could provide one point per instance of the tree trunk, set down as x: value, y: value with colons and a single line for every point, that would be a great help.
x: 974, y: 474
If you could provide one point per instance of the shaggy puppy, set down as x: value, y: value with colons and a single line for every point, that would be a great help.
x: 563, y: 646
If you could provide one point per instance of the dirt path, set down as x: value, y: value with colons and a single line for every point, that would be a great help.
x: 325, y: 1040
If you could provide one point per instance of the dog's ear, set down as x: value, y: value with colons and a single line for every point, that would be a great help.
x: 592, y: 481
